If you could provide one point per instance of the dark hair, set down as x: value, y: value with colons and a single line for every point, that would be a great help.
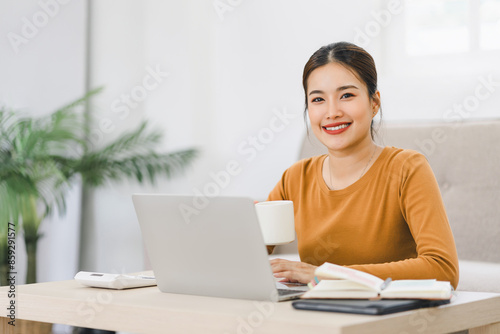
x: 353, y: 57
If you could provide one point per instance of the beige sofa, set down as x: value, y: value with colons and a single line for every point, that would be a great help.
x: 465, y: 157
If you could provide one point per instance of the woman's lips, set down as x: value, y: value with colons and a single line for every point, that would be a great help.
x: 336, y: 128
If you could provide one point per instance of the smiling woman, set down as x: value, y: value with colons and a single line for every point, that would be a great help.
x: 372, y: 208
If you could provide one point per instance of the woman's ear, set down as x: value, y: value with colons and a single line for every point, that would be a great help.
x: 375, y: 103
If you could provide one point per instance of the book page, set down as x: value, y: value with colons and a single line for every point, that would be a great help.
x: 333, y: 271
x: 423, y: 289
x: 340, y: 284
x: 411, y: 284
x: 340, y: 288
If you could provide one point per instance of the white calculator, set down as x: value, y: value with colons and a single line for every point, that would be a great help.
x: 114, y: 281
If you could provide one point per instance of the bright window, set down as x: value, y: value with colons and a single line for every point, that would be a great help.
x: 439, y: 27
x: 436, y: 27
x: 489, y: 16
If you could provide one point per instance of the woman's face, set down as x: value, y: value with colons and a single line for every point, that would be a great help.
x: 340, y: 110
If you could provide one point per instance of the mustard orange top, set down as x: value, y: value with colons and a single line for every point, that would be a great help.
x: 389, y: 223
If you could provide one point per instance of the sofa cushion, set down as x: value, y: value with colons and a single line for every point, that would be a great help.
x: 479, y: 276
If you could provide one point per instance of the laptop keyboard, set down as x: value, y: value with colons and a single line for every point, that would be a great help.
x: 286, y: 292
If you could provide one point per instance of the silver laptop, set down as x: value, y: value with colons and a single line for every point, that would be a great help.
x: 208, y: 246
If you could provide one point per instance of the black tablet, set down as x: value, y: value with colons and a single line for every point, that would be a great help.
x: 364, y: 306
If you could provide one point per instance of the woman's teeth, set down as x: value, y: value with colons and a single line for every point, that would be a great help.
x: 333, y: 128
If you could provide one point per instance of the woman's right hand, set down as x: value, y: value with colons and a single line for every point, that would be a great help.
x: 292, y: 271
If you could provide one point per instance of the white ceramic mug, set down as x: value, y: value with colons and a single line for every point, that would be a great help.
x: 276, y: 221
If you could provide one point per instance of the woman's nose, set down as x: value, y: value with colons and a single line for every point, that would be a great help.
x: 333, y: 111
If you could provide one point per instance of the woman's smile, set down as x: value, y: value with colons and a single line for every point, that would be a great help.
x: 336, y: 128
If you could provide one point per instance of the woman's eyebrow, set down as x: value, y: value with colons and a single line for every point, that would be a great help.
x: 346, y: 87
x: 317, y: 91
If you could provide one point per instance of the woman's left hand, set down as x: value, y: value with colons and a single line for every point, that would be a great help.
x: 293, y: 271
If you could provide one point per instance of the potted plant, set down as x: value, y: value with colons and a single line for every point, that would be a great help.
x: 41, y: 157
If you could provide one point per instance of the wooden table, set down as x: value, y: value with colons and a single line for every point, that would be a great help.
x: 147, y: 310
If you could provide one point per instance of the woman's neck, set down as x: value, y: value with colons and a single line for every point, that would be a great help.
x: 347, y: 166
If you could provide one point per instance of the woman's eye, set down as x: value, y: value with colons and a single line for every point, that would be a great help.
x: 346, y: 95
x: 317, y: 99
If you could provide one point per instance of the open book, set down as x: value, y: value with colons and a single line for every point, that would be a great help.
x: 342, y: 282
